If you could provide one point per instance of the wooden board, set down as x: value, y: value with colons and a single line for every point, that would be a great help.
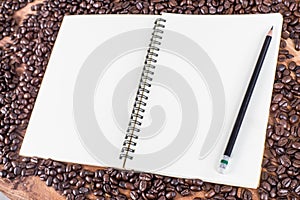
x: 25, y: 188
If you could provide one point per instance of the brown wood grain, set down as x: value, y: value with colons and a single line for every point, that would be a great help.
x: 28, y: 188
x: 25, y: 188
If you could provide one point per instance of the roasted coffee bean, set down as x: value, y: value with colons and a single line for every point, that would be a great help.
x: 150, y: 196
x: 297, y: 189
x: 83, y: 190
x: 49, y: 181
x: 146, y: 177
x: 162, y: 198
x: 210, y: 193
x: 296, y: 145
x: 294, y: 119
x: 106, y: 178
x: 266, y: 186
x: 286, y: 182
x: 197, y: 182
x: 217, y: 188
x: 226, y: 189
x: 185, y: 192
x: 72, y: 174
x: 76, y: 167
x: 129, y: 186
x: 30, y: 165
x: 282, y: 192
x: 143, y: 185
x: 170, y: 195
x: 280, y: 170
x: 17, y: 171
x: 10, y: 175
x: 296, y: 163
x: 282, y: 141
x: 246, y: 194
x: 134, y: 195
x: 283, y: 44
x: 285, y: 161
x: 107, y: 188
x: 28, y: 172
x: 195, y: 188
x: 264, y: 196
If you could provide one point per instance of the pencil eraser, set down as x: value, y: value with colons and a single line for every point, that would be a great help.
x: 223, y: 164
x: 222, y: 168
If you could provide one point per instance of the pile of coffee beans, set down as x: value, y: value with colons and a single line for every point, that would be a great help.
x: 7, y: 20
x: 24, y: 61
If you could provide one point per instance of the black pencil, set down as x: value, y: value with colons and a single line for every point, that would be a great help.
x: 246, y: 100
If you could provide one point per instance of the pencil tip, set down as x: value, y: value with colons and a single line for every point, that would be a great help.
x: 270, y: 31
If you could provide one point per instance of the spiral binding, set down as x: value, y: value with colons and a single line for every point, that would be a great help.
x: 143, y: 90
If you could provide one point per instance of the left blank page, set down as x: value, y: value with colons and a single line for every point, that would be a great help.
x: 82, y: 109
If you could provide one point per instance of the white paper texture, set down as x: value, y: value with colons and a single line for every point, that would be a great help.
x: 204, y: 66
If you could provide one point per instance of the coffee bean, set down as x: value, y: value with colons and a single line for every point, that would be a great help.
x: 106, y: 178
x: 10, y: 175
x: 185, y: 192
x: 83, y: 190
x: 143, y: 185
x: 107, y: 188
x: 283, y: 44
x: 233, y: 192
x: 72, y: 174
x: 49, y: 181
x: 264, y: 196
x: 173, y: 3
x: 286, y: 182
x: 17, y: 170
x: 226, y: 188
x: 294, y: 119
x: 134, y: 195
x: 28, y: 172
x: 297, y: 189
x: 280, y: 170
x: 296, y: 145
x: 278, y: 85
x: 246, y: 194
x: 273, y: 193
x: 146, y: 177
x: 266, y: 186
x: 129, y: 186
x: 282, y: 141
x: 282, y: 192
x: 170, y: 195
x: 75, y: 192
x: 210, y: 193
x: 285, y: 161
x: 296, y: 163
x: 30, y: 165
x: 150, y: 196
x: 272, y: 180
x: 195, y: 188
x: 162, y: 198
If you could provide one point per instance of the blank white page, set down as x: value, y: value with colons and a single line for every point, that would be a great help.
x: 210, y: 60
x: 83, y: 107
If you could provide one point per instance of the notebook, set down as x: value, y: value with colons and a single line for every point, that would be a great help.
x: 156, y: 94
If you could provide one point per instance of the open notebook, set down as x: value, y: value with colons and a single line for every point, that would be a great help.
x: 88, y: 99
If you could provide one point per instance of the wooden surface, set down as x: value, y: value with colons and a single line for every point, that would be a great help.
x: 33, y: 188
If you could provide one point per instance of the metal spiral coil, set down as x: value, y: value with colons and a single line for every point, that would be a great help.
x: 143, y: 90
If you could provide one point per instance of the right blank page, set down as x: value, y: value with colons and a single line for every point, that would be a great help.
x: 204, y: 66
